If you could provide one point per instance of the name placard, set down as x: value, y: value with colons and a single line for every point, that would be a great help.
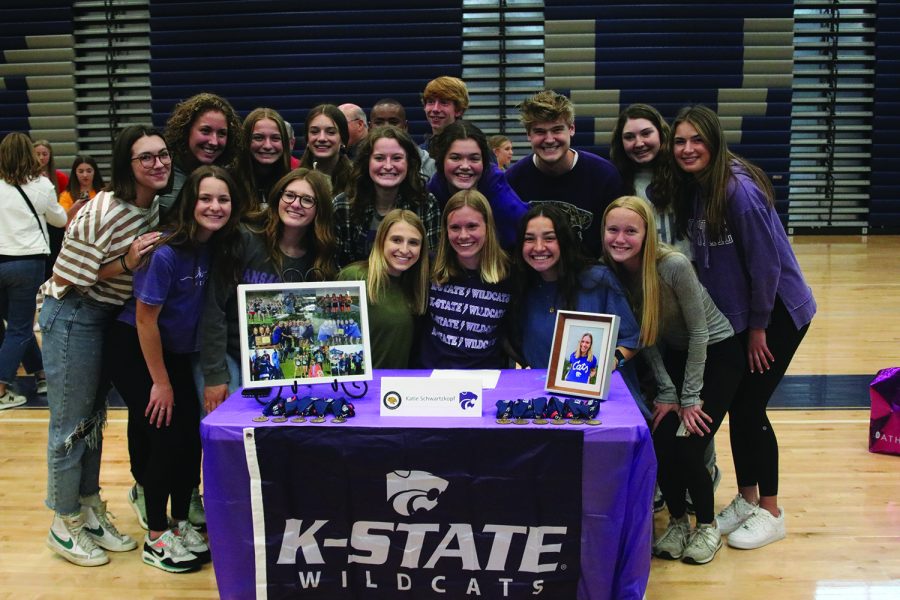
x: 425, y: 397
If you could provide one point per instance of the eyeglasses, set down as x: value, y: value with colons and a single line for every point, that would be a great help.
x: 149, y: 160
x: 290, y: 197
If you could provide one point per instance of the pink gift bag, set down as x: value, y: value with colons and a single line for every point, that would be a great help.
x: 884, y: 426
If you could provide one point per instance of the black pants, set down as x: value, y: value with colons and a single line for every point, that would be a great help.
x: 681, y: 459
x: 753, y: 442
x: 165, y: 460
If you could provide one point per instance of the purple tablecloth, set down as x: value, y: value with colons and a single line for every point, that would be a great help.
x: 618, y: 475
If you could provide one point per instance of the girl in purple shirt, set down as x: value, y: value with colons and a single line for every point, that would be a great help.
x: 745, y: 260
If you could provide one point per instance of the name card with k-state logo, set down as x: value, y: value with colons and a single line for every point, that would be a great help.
x: 425, y: 397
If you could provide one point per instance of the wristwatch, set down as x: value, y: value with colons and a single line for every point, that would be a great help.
x: 620, y: 359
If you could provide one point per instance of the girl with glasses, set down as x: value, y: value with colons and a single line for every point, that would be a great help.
x: 292, y: 241
x: 92, y: 279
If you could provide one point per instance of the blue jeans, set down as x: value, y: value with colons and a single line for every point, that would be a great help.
x: 73, y: 332
x: 19, y: 283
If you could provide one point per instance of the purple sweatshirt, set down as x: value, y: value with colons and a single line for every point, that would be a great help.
x: 752, y: 261
x: 507, y: 207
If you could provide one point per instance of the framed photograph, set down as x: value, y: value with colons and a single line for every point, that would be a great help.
x: 304, y: 332
x: 582, y: 354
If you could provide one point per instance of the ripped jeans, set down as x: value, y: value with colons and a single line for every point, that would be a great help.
x: 73, y: 330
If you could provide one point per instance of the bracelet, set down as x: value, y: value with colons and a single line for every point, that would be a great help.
x: 124, y: 265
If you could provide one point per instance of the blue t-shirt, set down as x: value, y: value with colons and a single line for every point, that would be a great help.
x: 175, y: 279
x: 600, y: 292
x: 580, y: 369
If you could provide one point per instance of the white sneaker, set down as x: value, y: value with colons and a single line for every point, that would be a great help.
x: 671, y: 543
x: 760, y: 529
x: 702, y: 545
x: 733, y: 515
x: 168, y: 553
x: 100, y: 528
x: 10, y: 400
x: 192, y: 540
x: 68, y: 538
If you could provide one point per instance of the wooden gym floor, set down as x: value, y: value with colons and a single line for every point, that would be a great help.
x: 842, y: 503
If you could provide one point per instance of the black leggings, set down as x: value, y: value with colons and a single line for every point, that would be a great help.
x: 681, y: 459
x: 165, y: 460
x: 753, y: 443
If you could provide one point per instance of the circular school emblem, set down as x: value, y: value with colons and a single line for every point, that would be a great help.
x: 391, y: 400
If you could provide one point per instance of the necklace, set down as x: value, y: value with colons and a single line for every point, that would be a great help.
x: 549, y: 292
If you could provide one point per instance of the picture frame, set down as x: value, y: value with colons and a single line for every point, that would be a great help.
x: 574, y: 372
x: 308, y: 333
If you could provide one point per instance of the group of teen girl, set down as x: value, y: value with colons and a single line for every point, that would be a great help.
x: 442, y: 262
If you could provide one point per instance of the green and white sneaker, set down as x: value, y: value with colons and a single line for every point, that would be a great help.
x: 671, y: 543
x: 196, y: 512
x: 136, y: 500
x: 68, y: 538
x: 702, y: 545
x: 10, y: 400
x: 168, y: 553
x: 98, y: 525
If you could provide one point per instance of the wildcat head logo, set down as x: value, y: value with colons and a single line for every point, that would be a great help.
x: 410, y: 492
x: 467, y: 399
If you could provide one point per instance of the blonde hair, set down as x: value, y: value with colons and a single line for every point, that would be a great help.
x: 544, y: 107
x: 649, y: 306
x: 494, y: 263
x: 590, y: 352
x: 18, y: 161
x: 413, y: 281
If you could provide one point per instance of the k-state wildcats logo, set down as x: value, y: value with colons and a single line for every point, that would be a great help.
x: 467, y: 399
x: 410, y: 492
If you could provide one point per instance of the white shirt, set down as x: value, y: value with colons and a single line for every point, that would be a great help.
x: 19, y: 232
